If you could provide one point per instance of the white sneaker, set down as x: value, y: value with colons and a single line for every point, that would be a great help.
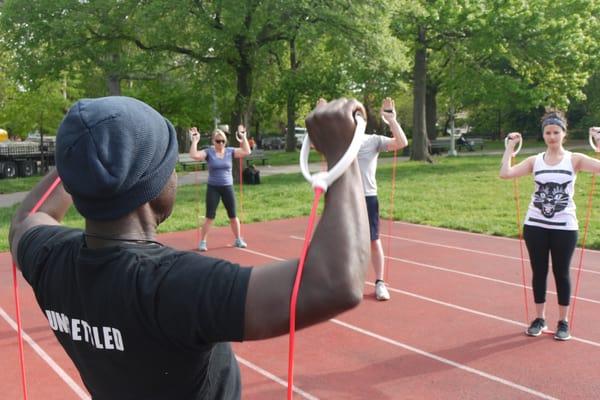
x: 381, y: 292
x: 239, y: 242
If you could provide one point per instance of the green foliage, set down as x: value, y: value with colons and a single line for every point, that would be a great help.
x: 25, y: 110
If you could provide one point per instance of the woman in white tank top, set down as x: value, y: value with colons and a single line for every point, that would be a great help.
x: 550, y: 226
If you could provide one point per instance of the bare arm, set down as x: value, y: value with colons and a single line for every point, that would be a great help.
x: 196, y: 154
x: 338, y: 257
x: 582, y: 162
x: 244, y: 148
x: 388, y: 112
x: 521, y: 169
x: 50, y: 213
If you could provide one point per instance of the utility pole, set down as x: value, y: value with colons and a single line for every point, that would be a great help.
x: 452, y: 151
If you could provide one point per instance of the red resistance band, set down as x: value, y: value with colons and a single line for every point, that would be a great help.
x: 583, y: 240
x: 517, y: 202
x: 16, y: 295
x: 294, y: 298
x: 391, y: 216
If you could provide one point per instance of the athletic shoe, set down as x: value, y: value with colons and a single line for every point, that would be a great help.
x: 537, y: 327
x: 239, y: 242
x: 562, y: 331
x: 202, y: 245
x: 381, y: 292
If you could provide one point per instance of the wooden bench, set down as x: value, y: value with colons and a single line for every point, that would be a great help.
x: 256, y: 155
x: 439, y: 146
x: 470, y: 144
x: 186, y: 161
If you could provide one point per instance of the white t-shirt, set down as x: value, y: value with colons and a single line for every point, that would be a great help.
x: 367, y: 160
x: 552, y: 205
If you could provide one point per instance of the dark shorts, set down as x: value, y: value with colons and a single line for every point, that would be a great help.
x: 373, y: 211
x: 214, y: 194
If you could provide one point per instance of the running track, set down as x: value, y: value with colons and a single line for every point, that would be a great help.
x: 452, y: 330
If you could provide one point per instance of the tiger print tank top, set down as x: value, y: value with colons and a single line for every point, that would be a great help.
x: 552, y: 204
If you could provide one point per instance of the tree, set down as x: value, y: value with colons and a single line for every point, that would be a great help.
x: 24, y: 110
x: 51, y: 37
x: 513, y: 52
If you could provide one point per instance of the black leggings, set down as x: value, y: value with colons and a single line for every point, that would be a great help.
x: 214, y: 194
x: 561, y: 245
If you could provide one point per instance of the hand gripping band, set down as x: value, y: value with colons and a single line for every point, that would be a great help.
x: 239, y: 137
x: 593, y: 143
x: 324, y: 179
x: 514, y: 154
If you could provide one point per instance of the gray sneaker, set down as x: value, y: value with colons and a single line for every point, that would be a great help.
x: 562, y: 331
x: 239, y: 242
x: 202, y: 245
x: 537, y: 327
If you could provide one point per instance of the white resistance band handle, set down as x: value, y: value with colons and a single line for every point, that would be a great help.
x: 514, y: 154
x: 592, y: 143
x: 324, y: 179
x: 239, y: 137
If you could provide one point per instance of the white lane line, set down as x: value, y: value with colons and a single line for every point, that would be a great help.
x: 454, y: 271
x: 486, y: 253
x: 457, y: 307
x: 453, y: 231
x: 274, y: 378
x: 443, y: 360
x: 44, y: 356
x: 475, y: 312
x: 424, y: 353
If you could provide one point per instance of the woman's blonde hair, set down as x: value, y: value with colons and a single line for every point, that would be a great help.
x: 218, y: 132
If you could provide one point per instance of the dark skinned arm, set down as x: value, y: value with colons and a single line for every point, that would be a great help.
x: 338, y: 257
x: 51, y: 212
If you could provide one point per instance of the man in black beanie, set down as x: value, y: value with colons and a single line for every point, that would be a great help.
x: 144, y: 321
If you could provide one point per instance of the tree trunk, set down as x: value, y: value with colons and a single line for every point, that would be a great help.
x: 242, y: 113
x: 419, y: 149
x: 431, y: 110
x: 113, y: 84
x: 290, y: 140
x: 374, y: 123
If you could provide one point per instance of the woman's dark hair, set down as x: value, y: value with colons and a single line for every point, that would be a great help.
x: 555, y: 117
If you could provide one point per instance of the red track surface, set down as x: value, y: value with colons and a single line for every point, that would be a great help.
x: 452, y: 330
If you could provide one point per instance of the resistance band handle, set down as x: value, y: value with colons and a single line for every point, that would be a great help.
x: 592, y: 142
x: 239, y: 137
x: 514, y: 154
x: 324, y: 179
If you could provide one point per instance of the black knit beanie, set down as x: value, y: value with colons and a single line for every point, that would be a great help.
x: 114, y: 154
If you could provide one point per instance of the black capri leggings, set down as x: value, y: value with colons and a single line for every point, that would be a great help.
x: 214, y: 194
x: 561, y: 245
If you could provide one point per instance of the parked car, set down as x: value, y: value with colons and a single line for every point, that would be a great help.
x: 299, y: 133
x: 272, y: 143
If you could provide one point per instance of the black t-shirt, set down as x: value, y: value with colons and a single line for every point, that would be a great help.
x: 140, y: 321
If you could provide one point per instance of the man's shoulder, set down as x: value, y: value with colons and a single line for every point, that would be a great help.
x: 50, y: 235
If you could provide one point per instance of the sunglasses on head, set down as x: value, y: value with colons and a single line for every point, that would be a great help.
x: 219, y: 141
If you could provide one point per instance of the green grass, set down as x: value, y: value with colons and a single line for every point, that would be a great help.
x: 462, y: 193
x: 281, y: 157
x: 18, y: 184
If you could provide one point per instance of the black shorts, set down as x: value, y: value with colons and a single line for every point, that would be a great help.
x: 373, y: 211
x: 214, y: 194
